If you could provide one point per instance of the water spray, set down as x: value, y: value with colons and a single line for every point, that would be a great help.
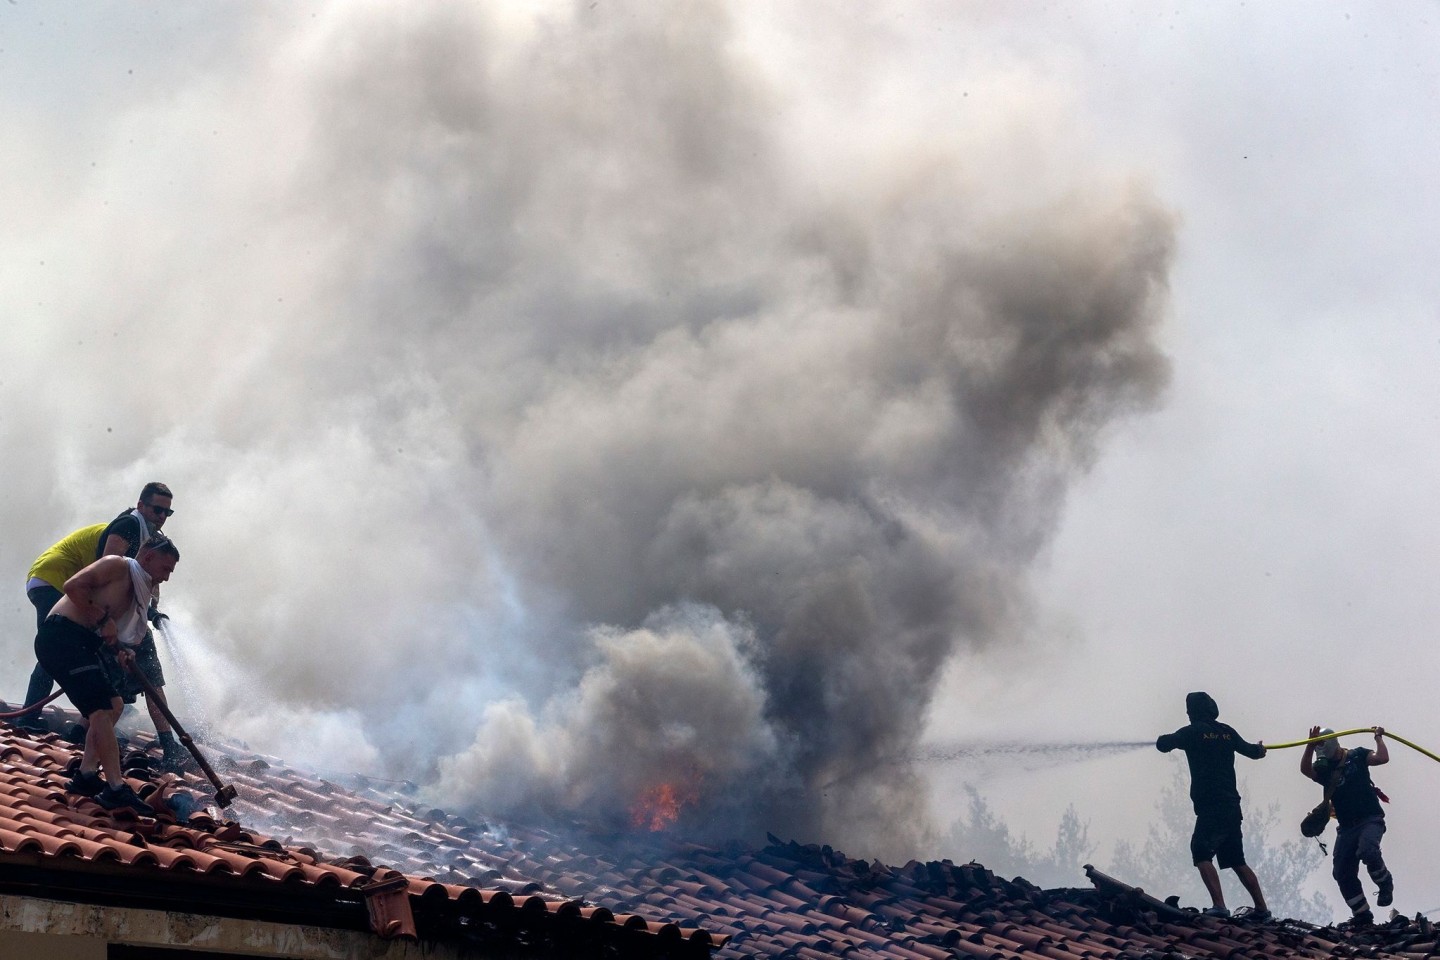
x: 1081, y: 750
x: 1051, y: 753
x: 224, y: 793
x: 181, y: 659
x: 1035, y: 755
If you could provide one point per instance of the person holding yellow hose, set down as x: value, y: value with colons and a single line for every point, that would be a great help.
x: 1345, y: 775
x: 1210, y: 747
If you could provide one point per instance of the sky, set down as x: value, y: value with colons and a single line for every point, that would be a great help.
x: 563, y: 399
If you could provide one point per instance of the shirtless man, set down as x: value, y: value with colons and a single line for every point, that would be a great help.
x: 104, y: 605
x: 122, y: 536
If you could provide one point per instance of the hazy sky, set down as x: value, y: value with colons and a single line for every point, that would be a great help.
x: 748, y: 389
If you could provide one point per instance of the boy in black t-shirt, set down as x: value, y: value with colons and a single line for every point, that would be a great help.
x: 1210, y: 747
x: 1345, y: 775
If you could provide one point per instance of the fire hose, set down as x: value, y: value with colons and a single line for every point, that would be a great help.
x: 1346, y: 733
x: 33, y: 708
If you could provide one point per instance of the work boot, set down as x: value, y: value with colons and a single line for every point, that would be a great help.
x: 84, y: 784
x: 173, y: 757
x: 33, y: 723
x: 1362, y: 919
x: 123, y: 798
x: 1386, y: 894
x: 176, y: 760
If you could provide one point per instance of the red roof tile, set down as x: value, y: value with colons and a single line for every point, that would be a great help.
x: 43, y: 829
x: 295, y: 831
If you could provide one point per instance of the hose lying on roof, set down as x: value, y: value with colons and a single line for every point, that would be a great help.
x: 33, y: 708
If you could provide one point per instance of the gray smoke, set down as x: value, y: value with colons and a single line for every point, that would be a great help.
x: 564, y: 406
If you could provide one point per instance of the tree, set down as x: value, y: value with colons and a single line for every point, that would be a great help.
x: 1285, y: 867
x: 1163, y: 867
x: 984, y: 837
x: 1161, y: 864
x: 1072, y: 850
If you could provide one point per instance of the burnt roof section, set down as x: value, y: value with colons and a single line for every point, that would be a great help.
x: 782, y: 900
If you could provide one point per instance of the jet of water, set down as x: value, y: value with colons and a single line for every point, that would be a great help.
x: 181, y: 675
x: 1026, y: 756
x: 1030, y: 754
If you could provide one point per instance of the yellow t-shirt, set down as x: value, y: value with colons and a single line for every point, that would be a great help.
x: 68, y: 557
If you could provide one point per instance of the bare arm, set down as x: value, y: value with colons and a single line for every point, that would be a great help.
x: 1382, y: 749
x: 115, y: 545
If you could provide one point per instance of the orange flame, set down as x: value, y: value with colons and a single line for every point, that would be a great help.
x: 658, y: 807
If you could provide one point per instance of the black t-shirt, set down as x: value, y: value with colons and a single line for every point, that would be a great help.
x: 1351, y: 789
x: 131, y: 527
x: 1210, y: 747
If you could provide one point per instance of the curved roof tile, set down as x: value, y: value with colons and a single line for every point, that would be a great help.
x: 781, y: 901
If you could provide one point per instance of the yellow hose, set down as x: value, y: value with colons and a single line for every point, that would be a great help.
x: 1346, y: 733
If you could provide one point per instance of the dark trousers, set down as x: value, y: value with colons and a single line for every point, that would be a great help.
x: 44, y: 598
x: 1355, y: 844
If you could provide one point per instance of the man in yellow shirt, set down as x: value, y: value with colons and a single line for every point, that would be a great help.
x: 44, y: 585
x: 123, y: 536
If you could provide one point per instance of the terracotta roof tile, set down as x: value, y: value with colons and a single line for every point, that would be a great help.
x: 37, y: 819
x: 14, y: 842
x: 783, y: 900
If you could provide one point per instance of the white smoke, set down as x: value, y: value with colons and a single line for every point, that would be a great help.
x: 673, y: 701
x: 569, y: 401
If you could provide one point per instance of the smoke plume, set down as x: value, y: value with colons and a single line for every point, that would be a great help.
x: 585, y: 401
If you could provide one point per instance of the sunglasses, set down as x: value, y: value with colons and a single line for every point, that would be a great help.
x: 163, y: 511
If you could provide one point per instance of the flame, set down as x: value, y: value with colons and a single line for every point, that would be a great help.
x: 658, y: 807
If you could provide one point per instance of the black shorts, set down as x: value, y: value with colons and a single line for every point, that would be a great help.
x: 71, y: 654
x: 1217, y: 837
x: 147, y: 661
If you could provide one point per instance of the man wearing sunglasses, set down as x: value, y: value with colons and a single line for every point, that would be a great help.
x: 123, y: 536
x: 44, y: 584
x: 128, y: 532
